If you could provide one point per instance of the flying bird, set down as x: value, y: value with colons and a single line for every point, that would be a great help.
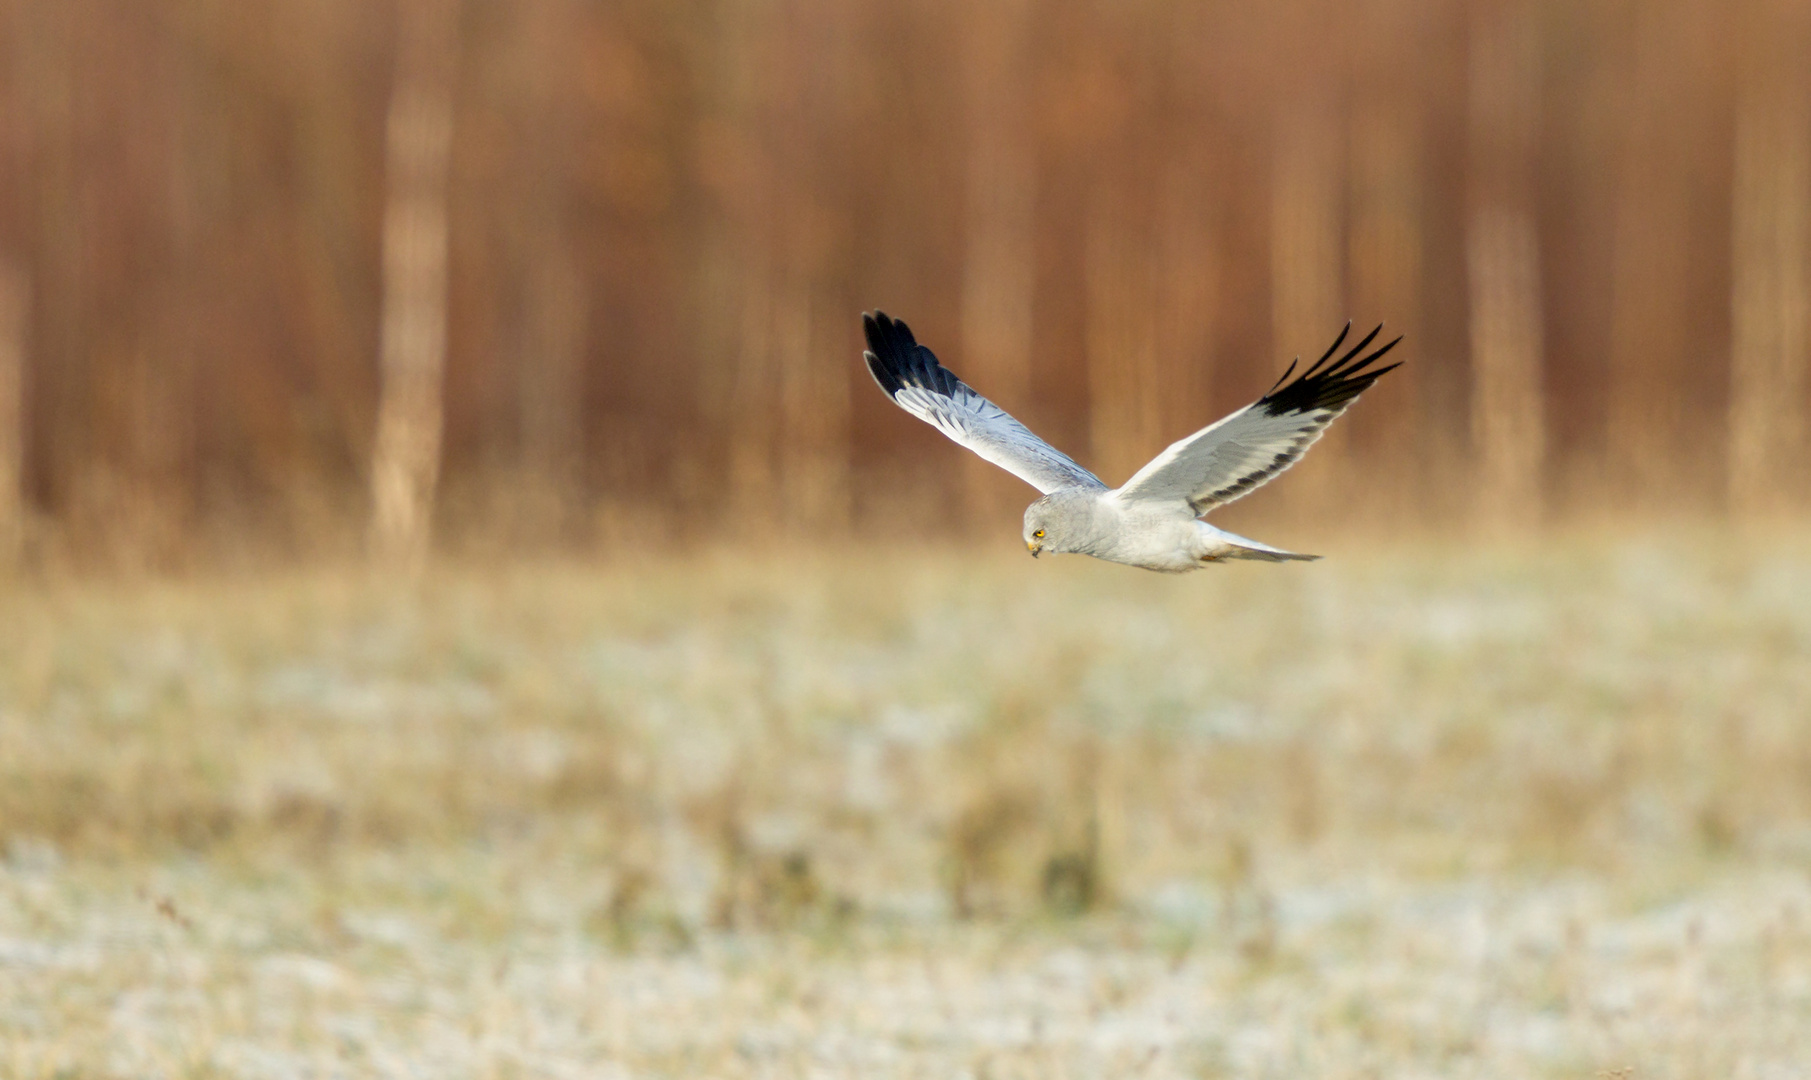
x: 1152, y: 520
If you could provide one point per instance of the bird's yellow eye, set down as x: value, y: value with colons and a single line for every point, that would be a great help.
x: 1039, y: 534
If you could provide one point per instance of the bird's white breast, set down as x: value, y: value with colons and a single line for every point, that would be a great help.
x: 1154, y: 534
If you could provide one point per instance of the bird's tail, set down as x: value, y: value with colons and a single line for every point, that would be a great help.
x: 1225, y: 545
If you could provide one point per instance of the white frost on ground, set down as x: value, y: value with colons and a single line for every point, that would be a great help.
x: 1480, y: 978
x: 1447, y: 815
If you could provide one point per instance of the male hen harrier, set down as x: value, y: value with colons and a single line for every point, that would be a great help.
x: 1152, y: 520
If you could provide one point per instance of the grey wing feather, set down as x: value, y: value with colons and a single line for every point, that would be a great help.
x: 1235, y: 455
x: 917, y: 383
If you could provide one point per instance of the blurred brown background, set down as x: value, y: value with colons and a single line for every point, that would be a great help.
x: 318, y: 273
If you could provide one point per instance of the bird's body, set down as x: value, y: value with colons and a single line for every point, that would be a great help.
x: 1153, y: 519
x: 1162, y: 535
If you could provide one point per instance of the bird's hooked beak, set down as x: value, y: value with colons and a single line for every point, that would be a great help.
x: 1034, y: 547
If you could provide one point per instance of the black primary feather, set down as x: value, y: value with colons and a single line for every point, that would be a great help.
x: 897, y: 361
x: 1329, y: 386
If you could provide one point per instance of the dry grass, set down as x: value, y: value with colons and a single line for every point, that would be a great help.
x: 1455, y: 814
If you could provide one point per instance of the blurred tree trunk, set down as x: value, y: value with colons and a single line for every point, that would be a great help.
x: 1307, y: 294
x: 788, y: 417
x: 790, y: 449
x: 814, y: 409
x: 1191, y: 223
x: 753, y: 477
x: 160, y: 495
x: 1383, y: 258
x: 405, y: 462
x: 1648, y: 434
x: 1125, y: 385
x: 1503, y: 267
x: 999, y: 269
x: 1188, y: 258
x: 738, y: 266
x: 810, y: 371
x: 550, y: 396
x: 43, y: 63
x: 1306, y: 256
x: 1770, y: 302
x: 14, y: 305
x: 148, y: 494
x: 554, y: 312
x: 16, y: 130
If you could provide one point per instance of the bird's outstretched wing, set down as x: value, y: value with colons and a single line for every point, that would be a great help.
x: 917, y: 383
x: 1234, y: 455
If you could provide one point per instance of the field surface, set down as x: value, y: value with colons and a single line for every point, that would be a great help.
x: 1422, y: 813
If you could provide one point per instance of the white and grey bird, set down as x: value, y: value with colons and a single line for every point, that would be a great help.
x: 1152, y: 520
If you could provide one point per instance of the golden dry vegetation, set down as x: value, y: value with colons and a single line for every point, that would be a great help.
x: 639, y: 234
x: 1411, y: 811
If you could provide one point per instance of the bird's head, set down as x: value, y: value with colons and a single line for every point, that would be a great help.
x: 1065, y: 522
x: 1037, y: 527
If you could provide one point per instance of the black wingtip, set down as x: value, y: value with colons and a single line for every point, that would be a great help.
x: 1347, y: 329
x: 1330, y: 385
x: 1284, y: 377
x: 874, y: 327
x: 882, y: 377
x: 896, y: 360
